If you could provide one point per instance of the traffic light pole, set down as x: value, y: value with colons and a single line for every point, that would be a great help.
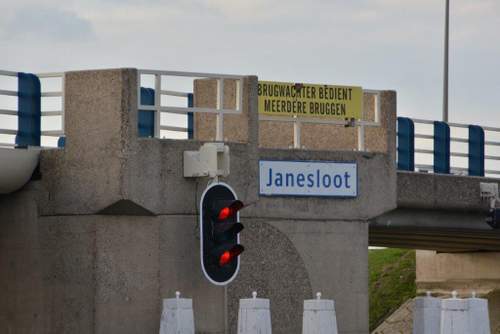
x: 226, y: 316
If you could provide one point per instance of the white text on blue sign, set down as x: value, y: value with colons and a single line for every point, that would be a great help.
x: 308, y: 178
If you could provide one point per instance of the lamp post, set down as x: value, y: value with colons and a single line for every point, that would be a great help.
x: 445, y: 74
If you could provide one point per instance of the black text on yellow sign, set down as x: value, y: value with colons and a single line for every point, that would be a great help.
x: 307, y: 100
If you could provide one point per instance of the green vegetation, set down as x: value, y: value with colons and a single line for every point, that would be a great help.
x: 392, y: 281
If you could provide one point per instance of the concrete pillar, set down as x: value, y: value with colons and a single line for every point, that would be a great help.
x: 92, y: 172
x: 254, y: 316
x: 426, y: 315
x: 454, y: 316
x: 319, y: 316
x: 177, y: 316
x: 479, y: 320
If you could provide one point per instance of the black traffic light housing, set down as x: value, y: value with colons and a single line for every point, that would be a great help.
x: 493, y: 218
x: 219, y: 233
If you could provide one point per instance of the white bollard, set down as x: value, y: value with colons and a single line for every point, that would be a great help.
x: 454, y: 316
x: 479, y: 320
x: 177, y: 316
x: 254, y: 316
x: 319, y: 316
x: 426, y: 315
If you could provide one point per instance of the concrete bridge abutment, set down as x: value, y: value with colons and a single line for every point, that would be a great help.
x: 112, y: 226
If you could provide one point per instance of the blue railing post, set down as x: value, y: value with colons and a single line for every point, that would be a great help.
x: 406, y: 144
x: 441, y: 147
x: 476, y: 150
x: 146, y: 121
x: 190, y: 115
x: 61, y: 142
x: 29, y: 110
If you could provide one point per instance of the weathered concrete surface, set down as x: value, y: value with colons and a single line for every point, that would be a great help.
x: 108, y: 274
x: 47, y: 270
x: 274, y: 268
x: 443, y: 272
x: 440, y: 191
x: 89, y: 174
x: 93, y: 174
x: 325, y: 247
x: 375, y: 194
x: 113, y: 225
x: 21, y: 277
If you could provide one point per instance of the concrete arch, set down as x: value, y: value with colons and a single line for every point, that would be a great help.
x: 273, y: 267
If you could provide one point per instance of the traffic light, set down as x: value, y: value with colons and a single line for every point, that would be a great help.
x: 219, y: 233
x: 493, y: 218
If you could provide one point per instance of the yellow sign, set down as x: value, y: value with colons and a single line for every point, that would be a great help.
x: 307, y: 100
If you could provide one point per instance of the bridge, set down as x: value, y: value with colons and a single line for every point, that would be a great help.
x: 98, y: 216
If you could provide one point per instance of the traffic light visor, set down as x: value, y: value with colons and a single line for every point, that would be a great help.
x: 230, y: 210
x: 228, y: 256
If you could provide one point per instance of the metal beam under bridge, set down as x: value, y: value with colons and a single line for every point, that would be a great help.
x: 440, y: 230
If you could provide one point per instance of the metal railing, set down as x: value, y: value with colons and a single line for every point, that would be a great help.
x: 158, y: 108
x: 49, y: 94
x: 488, y: 130
x: 9, y: 112
x: 43, y: 94
x: 360, y: 124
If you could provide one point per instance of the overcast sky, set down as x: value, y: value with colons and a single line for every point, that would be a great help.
x: 378, y: 44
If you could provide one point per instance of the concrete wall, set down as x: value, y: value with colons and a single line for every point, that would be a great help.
x: 440, y: 191
x: 462, y: 272
x: 108, y: 273
x: 111, y: 228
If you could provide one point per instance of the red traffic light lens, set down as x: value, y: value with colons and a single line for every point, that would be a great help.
x: 229, y: 255
x: 230, y: 210
x: 224, y: 213
x: 224, y: 258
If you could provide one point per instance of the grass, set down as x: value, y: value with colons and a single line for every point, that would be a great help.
x: 392, y: 281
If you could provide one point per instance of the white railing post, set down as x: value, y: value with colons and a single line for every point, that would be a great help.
x: 7, y: 111
x: 378, y: 107
x: 454, y: 169
x: 219, y: 131
x: 61, y: 93
x: 239, y: 95
x: 139, y: 104
x: 63, y: 109
x: 157, y: 105
x: 361, y: 137
x: 296, y: 133
x: 158, y: 108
